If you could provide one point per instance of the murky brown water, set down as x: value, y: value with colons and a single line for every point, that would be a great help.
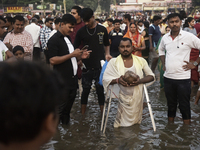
x: 83, y: 133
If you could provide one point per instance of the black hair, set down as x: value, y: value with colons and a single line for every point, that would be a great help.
x: 48, y: 19
x: 165, y: 20
x: 127, y: 16
x: 9, y: 19
x: 17, y: 48
x: 173, y: 15
x: 37, y: 16
x: 166, y: 28
x: 117, y: 21
x: 29, y: 92
x: 110, y: 19
x: 57, y: 20
x: 126, y: 39
x: 68, y: 18
x: 86, y: 14
x: 156, y: 17
x: 98, y: 20
x: 78, y: 9
x: 183, y: 14
x: 18, y: 17
x: 146, y: 24
x: 34, y: 20
x: 140, y: 21
x: 187, y: 21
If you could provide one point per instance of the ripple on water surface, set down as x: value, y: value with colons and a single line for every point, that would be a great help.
x: 83, y: 132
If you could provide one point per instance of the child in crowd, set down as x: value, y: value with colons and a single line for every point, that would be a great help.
x: 18, y: 51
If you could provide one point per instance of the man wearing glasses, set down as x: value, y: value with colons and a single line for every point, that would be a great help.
x: 44, y: 35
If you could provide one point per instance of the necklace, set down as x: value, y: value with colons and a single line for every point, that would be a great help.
x: 93, y: 32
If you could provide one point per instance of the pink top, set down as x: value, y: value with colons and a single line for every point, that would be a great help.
x: 23, y: 39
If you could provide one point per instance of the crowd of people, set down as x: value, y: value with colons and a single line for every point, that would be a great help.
x: 73, y: 46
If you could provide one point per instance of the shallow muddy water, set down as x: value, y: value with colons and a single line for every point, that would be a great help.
x: 83, y: 132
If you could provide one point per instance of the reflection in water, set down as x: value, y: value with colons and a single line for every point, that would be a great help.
x: 83, y: 132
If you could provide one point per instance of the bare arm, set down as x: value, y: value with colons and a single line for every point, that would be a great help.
x: 150, y: 41
x: 107, y: 53
x: 162, y: 58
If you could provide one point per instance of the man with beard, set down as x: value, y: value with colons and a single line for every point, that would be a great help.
x: 176, y: 45
x: 130, y: 94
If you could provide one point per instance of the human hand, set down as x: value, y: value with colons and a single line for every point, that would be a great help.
x: 122, y: 82
x: 188, y: 66
x: 137, y: 82
x: 108, y: 57
x: 77, y: 52
x: 85, y: 54
x: 151, y: 48
x: 164, y: 68
x: 9, y: 46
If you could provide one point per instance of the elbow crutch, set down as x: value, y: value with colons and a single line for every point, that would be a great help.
x: 103, y: 127
x: 149, y: 106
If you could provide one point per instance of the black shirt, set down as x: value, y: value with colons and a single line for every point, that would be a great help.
x: 115, y: 38
x: 58, y: 47
x: 96, y: 38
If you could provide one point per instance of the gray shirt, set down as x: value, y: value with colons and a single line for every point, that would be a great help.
x: 193, y: 31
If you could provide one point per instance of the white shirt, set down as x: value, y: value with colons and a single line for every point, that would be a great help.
x: 3, y: 49
x: 52, y: 33
x: 177, y: 51
x: 34, y: 30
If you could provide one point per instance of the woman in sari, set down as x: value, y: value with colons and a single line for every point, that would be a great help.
x: 138, y: 42
x: 194, y: 54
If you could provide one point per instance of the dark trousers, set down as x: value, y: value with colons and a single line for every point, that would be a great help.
x: 66, y: 105
x: 87, y: 77
x: 36, y: 54
x: 178, y: 93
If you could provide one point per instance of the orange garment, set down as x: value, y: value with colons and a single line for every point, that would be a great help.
x: 109, y: 29
x: 136, y: 41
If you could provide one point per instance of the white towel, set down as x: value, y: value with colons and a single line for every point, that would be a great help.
x: 73, y: 59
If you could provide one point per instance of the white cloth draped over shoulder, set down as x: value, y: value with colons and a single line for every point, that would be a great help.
x: 130, y: 106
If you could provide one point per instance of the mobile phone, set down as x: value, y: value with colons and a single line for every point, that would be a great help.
x: 85, y: 47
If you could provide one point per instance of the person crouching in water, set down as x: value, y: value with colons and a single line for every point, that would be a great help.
x: 18, y: 51
x: 130, y: 93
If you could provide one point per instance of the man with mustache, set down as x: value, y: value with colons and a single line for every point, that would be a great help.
x: 130, y: 94
x: 176, y: 45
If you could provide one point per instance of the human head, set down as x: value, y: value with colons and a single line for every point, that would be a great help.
x: 117, y: 24
x: 127, y: 18
x: 34, y: 20
x: 189, y: 22
x: 183, y: 14
x: 57, y: 23
x: 67, y: 24
x: 110, y: 22
x: 76, y: 12
x: 9, y: 21
x: 2, y: 26
x: 156, y: 19
x: 133, y: 28
x: 125, y: 47
x: 167, y: 29
x: 174, y: 22
x: 18, y: 51
x: 146, y: 24
x: 140, y: 23
x: 87, y: 15
x: 98, y: 20
x: 49, y: 22
x: 18, y: 24
x: 30, y: 95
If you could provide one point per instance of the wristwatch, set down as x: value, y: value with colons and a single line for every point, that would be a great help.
x: 195, y: 63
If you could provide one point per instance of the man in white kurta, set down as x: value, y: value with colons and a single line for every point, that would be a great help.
x: 130, y: 95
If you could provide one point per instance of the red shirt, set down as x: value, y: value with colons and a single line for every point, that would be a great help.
x: 197, y: 27
x: 76, y: 28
